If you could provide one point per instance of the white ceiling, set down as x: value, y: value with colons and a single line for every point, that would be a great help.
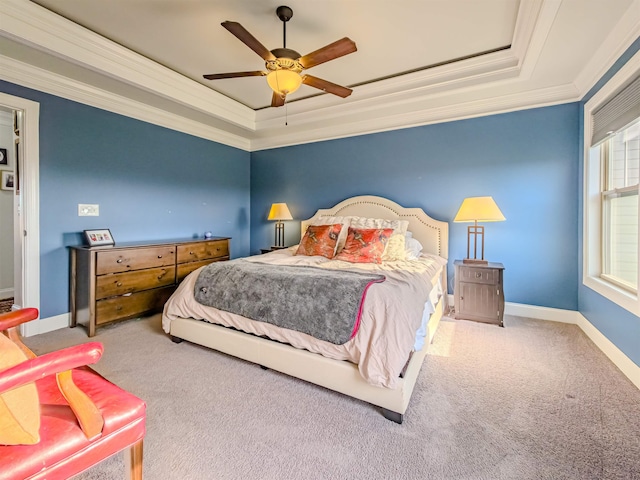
x: 418, y: 61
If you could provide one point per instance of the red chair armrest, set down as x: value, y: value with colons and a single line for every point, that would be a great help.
x: 50, y: 364
x: 17, y: 317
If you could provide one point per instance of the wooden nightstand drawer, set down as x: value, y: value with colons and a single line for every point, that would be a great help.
x: 479, y: 275
x: 117, y: 308
x: 114, y: 284
x: 203, y: 251
x: 112, y: 261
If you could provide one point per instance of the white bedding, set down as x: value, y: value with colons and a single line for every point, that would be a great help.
x: 392, y: 313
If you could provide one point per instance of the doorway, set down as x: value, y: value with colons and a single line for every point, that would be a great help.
x: 24, y: 192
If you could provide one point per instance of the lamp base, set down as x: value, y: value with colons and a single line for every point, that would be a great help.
x: 475, y: 261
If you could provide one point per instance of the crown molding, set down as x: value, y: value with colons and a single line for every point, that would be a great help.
x: 533, y: 26
x: 29, y: 76
x: 476, y: 108
x: 621, y: 37
x: 406, y: 90
x: 36, y: 26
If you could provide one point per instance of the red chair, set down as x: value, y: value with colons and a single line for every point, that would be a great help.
x: 84, y: 418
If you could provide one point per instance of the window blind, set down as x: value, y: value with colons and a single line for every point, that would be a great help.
x: 622, y: 109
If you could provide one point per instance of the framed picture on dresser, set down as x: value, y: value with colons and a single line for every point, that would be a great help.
x: 99, y: 237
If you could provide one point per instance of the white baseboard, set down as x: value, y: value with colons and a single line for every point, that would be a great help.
x: 6, y: 292
x: 619, y: 359
x: 44, y: 325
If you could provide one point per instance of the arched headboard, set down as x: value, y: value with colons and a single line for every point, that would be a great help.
x: 432, y: 234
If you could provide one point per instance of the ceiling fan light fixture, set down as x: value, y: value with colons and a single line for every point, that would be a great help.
x: 284, y: 82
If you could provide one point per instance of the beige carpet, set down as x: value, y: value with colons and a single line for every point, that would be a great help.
x: 534, y: 400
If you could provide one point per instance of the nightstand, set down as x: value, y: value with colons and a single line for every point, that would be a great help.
x: 478, y: 293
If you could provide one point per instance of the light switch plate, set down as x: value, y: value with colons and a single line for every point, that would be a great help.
x: 88, y: 210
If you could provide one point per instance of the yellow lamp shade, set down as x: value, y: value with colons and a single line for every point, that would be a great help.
x: 479, y: 209
x: 279, y: 211
x: 284, y: 82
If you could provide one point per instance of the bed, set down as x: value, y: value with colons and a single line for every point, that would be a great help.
x: 337, y: 367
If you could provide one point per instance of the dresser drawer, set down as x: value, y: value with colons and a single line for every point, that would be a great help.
x: 185, y: 269
x: 478, y: 275
x: 218, y: 249
x: 113, y: 261
x: 116, y: 308
x: 114, y: 284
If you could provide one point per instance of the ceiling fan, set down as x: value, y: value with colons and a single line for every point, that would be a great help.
x: 284, y: 66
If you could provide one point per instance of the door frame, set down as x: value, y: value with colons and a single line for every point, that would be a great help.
x: 27, y: 278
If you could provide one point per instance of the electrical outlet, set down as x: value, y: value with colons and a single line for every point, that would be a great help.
x: 87, y: 210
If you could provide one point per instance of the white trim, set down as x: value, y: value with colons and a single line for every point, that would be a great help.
x: 30, y: 286
x: 44, y: 325
x: 621, y: 37
x: 27, y: 75
x: 376, y: 123
x: 619, y: 359
x: 34, y: 25
x: 591, y: 251
x: 6, y: 292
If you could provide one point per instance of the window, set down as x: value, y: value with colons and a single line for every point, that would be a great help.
x: 620, y: 156
x: 611, y: 186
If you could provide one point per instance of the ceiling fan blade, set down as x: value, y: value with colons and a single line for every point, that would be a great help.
x: 218, y: 76
x: 326, y: 86
x: 277, y: 100
x: 336, y: 49
x: 249, y: 40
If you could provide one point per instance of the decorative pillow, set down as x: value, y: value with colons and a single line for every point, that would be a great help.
x: 365, y: 245
x: 396, y: 249
x: 328, y: 220
x: 20, y: 407
x: 320, y: 240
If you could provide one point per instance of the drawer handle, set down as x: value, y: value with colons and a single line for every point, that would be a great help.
x: 164, y: 272
x: 478, y: 275
x: 190, y: 253
x: 159, y: 256
x: 119, y: 260
x: 119, y: 284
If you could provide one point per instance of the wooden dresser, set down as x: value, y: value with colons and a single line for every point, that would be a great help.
x: 478, y: 292
x: 131, y: 279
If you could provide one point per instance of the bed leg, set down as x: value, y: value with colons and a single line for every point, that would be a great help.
x: 176, y: 339
x: 393, y: 416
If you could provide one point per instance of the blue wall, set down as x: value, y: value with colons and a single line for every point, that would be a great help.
x: 151, y: 183
x: 527, y: 160
x: 617, y: 324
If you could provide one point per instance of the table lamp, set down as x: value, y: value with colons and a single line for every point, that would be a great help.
x: 477, y: 209
x: 279, y: 212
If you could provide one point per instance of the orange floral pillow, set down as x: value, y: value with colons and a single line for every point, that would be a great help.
x: 320, y: 240
x: 365, y: 245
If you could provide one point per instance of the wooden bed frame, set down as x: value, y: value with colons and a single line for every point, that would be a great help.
x: 340, y: 376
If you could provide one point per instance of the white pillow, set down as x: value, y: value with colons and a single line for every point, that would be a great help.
x: 399, y: 226
x: 395, y: 249
x: 413, y: 247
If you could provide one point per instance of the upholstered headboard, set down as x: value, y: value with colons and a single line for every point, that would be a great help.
x: 432, y: 234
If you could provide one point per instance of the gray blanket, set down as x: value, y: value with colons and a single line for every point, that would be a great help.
x: 325, y: 304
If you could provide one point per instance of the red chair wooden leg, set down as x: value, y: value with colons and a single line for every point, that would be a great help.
x: 133, y: 461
